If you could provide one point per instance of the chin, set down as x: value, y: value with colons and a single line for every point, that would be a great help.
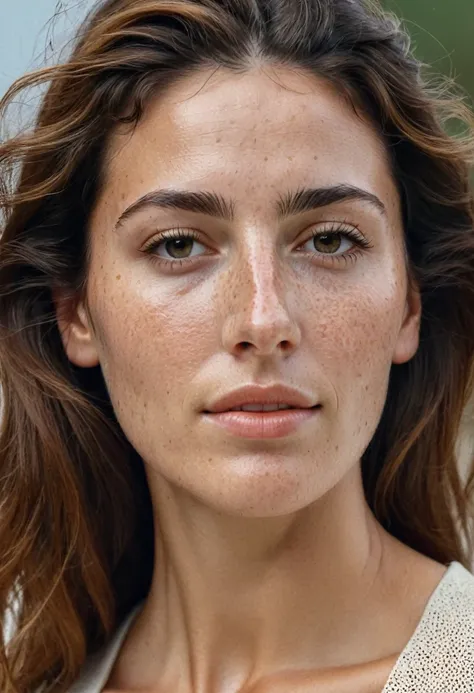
x: 272, y: 493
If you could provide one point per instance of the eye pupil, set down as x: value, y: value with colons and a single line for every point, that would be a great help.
x: 327, y: 242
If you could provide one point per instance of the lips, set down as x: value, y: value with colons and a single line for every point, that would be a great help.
x: 259, y: 412
x: 276, y: 395
x: 263, y: 424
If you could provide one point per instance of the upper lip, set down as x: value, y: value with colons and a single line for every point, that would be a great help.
x: 255, y: 394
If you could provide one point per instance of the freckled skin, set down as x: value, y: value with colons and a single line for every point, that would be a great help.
x: 189, y: 325
x: 168, y: 342
x: 338, y: 323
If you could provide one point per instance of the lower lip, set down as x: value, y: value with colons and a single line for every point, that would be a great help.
x: 269, y: 424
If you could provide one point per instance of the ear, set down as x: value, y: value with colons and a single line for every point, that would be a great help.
x: 409, y: 336
x: 76, y: 330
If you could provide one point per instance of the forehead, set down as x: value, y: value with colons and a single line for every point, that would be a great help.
x: 259, y: 130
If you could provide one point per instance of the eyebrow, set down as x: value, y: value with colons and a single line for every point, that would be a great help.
x: 215, y: 205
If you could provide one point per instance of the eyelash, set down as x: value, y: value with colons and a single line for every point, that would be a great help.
x: 351, y: 232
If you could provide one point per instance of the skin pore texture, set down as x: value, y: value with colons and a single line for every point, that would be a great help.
x: 271, y: 573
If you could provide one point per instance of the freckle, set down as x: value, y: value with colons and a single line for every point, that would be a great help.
x: 315, y: 157
x: 118, y: 276
x: 218, y: 139
x: 266, y: 158
x: 290, y: 158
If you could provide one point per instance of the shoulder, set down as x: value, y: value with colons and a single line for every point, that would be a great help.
x: 440, y: 655
x: 97, y: 667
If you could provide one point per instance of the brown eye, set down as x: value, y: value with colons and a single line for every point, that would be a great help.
x: 179, y: 248
x: 173, y: 246
x: 328, y: 242
x: 337, y: 242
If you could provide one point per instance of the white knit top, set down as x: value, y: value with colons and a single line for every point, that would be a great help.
x: 438, y: 658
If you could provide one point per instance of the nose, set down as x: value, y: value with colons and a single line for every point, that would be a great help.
x: 258, y: 318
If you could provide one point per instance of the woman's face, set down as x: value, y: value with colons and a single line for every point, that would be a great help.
x: 247, y: 293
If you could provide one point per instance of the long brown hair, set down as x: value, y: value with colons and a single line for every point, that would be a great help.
x: 76, y: 527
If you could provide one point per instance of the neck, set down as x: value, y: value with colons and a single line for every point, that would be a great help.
x: 236, y: 598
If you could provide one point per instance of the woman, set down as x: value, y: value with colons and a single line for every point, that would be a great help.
x: 241, y: 205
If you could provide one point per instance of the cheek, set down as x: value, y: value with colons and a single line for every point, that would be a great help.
x: 151, y: 344
x: 354, y: 340
x: 362, y: 328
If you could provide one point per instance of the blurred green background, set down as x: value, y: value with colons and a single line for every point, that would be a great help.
x: 443, y: 35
